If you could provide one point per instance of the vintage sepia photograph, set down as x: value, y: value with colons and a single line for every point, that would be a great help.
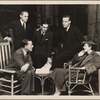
x: 49, y: 49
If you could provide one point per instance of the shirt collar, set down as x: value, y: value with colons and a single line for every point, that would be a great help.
x: 21, y: 22
x: 42, y: 32
x: 68, y: 28
x: 24, y: 52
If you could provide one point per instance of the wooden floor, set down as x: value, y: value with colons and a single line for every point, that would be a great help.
x: 50, y: 93
x: 49, y: 90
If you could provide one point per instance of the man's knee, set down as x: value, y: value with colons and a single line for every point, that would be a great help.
x: 57, y: 70
x: 30, y: 72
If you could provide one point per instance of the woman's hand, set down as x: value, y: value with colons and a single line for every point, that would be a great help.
x: 81, y: 53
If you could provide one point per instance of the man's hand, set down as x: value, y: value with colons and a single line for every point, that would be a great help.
x: 33, y: 67
x: 49, y: 60
x: 8, y: 39
x: 83, y: 68
x: 24, y: 67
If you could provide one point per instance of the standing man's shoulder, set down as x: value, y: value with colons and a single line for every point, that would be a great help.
x: 13, y: 23
x: 16, y: 22
x: 74, y: 27
x: 49, y: 32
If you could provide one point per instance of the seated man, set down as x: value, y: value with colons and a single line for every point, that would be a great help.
x: 87, y: 59
x: 21, y: 62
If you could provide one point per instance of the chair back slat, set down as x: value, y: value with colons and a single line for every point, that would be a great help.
x: 1, y: 64
x: 79, y: 75
x: 5, y: 54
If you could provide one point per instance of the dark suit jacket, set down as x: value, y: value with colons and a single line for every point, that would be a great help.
x: 44, y: 44
x: 72, y: 40
x: 18, y: 32
x: 18, y: 60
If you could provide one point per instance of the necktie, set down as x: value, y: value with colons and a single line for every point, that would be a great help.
x: 42, y: 34
x: 65, y: 35
x: 24, y: 26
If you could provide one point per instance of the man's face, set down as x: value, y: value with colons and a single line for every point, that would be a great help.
x: 24, y: 16
x: 65, y: 22
x: 29, y: 46
x: 86, y: 47
x: 44, y: 27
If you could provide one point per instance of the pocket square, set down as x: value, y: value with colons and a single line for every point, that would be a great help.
x: 46, y: 39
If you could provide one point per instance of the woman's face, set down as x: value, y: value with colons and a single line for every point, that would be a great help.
x: 86, y: 47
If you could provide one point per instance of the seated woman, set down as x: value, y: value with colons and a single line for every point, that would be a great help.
x: 87, y: 58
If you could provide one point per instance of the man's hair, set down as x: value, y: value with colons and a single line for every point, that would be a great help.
x: 24, y: 42
x: 67, y: 16
x: 21, y: 13
x: 44, y: 22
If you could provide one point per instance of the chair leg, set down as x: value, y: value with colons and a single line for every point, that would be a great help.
x: 0, y: 88
x: 69, y: 91
x: 91, y: 89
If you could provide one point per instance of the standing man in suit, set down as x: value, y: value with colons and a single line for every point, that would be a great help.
x: 71, y: 38
x: 21, y: 62
x: 42, y: 45
x: 21, y: 30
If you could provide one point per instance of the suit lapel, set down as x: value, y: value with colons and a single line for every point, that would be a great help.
x: 22, y: 52
x: 20, y: 23
x: 38, y: 36
x: 22, y: 26
x: 70, y: 33
x: 67, y: 35
x: 63, y: 34
x: 25, y: 57
x: 44, y: 36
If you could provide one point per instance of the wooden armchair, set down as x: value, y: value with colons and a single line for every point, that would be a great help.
x: 10, y: 86
x: 78, y: 76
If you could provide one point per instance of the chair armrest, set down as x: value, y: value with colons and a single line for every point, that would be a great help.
x: 98, y: 53
x: 77, y: 68
x: 65, y: 65
x: 7, y: 71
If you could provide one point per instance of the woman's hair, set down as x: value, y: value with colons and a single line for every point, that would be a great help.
x: 93, y: 47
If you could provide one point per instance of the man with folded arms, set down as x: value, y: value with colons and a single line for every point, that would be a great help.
x: 21, y: 62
